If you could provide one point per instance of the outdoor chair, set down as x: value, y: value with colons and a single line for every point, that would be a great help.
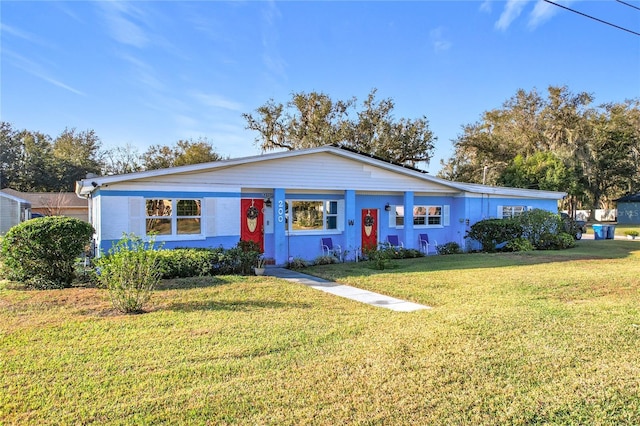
x: 329, y: 249
x: 425, y: 244
x: 394, y: 241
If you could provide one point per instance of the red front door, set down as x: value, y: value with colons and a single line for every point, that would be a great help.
x: 251, y: 221
x: 369, y: 229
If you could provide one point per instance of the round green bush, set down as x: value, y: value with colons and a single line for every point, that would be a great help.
x: 41, y: 253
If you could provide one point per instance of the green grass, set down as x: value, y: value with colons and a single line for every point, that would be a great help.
x: 533, y: 338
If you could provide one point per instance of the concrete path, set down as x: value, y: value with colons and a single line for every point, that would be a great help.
x: 346, y: 291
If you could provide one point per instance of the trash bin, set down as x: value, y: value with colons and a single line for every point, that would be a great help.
x: 611, y: 232
x: 598, y: 232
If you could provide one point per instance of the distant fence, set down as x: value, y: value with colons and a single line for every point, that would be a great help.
x: 602, y: 215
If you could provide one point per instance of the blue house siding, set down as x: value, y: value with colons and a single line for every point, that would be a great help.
x: 355, y: 182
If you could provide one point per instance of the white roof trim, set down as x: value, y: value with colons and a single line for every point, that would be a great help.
x: 85, y: 187
x: 14, y: 198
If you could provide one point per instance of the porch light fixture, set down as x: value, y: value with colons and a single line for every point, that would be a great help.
x: 387, y: 207
x: 267, y: 202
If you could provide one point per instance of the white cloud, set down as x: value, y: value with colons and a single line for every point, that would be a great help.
x: 438, y: 40
x: 16, y: 32
x: 542, y: 12
x: 38, y: 71
x: 144, y: 73
x: 120, y: 16
x: 511, y: 11
x: 216, y: 101
x: 486, y: 6
x: 271, y: 56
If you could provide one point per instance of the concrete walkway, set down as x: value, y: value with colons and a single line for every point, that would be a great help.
x: 346, y: 291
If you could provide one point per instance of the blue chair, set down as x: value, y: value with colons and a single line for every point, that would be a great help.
x: 423, y: 239
x: 329, y: 249
x: 394, y: 241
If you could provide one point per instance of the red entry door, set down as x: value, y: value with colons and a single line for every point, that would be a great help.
x: 251, y: 221
x: 369, y: 229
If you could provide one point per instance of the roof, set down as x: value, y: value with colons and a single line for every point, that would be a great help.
x: 5, y: 194
x: 85, y: 187
x: 631, y: 198
x: 49, y: 199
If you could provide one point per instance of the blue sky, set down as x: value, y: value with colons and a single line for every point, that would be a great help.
x: 154, y: 72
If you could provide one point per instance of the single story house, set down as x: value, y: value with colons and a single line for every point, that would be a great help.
x: 13, y: 210
x: 288, y: 201
x: 629, y: 209
x: 54, y: 203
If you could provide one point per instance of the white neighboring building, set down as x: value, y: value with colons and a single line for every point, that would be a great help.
x: 13, y: 210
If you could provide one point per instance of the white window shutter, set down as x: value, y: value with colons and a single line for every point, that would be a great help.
x: 446, y: 215
x: 392, y: 216
x: 499, y: 213
x: 137, y: 216
x: 341, y: 215
x: 210, y: 217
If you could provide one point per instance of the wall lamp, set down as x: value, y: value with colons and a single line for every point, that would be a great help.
x: 387, y: 207
x: 267, y: 202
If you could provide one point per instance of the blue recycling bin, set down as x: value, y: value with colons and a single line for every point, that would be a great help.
x: 599, y: 232
x: 611, y: 232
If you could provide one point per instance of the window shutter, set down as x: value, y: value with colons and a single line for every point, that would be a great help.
x: 392, y: 216
x: 209, y: 217
x: 499, y: 213
x: 445, y: 215
x: 137, y: 216
x: 341, y: 215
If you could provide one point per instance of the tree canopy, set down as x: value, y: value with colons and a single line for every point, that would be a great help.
x: 31, y: 161
x: 314, y: 119
x: 562, y: 142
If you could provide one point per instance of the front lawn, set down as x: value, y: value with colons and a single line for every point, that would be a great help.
x: 523, y: 338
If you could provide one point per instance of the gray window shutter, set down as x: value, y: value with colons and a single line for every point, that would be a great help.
x: 137, y: 216
x: 209, y: 217
x: 392, y: 217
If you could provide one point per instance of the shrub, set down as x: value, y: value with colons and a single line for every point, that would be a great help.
x: 130, y: 272
x: 297, y: 263
x: 491, y: 232
x: 189, y: 262
x: 556, y: 241
x: 41, y: 253
x: 383, y: 257
x: 537, y: 225
x: 449, y: 248
x: 520, y: 244
x: 325, y: 260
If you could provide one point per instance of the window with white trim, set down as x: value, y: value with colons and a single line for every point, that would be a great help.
x: 165, y: 217
x: 422, y: 215
x: 316, y: 215
x: 512, y: 211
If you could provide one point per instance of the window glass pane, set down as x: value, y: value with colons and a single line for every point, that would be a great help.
x: 158, y: 208
x: 159, y: 226
x: 307, y: 215
x: 419, y: 211
x: 419, y: 220
x: 434, y: 220
x: 399, y: 215
x: 189, y: 226
x: 332, y: 207
x: 188, y: 207
x: 332, y: 222
x: 435, y: 211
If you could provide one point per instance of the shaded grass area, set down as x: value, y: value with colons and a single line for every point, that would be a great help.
x: 533, y: 338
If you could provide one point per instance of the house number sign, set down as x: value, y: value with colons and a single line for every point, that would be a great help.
x: 280, y: 211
